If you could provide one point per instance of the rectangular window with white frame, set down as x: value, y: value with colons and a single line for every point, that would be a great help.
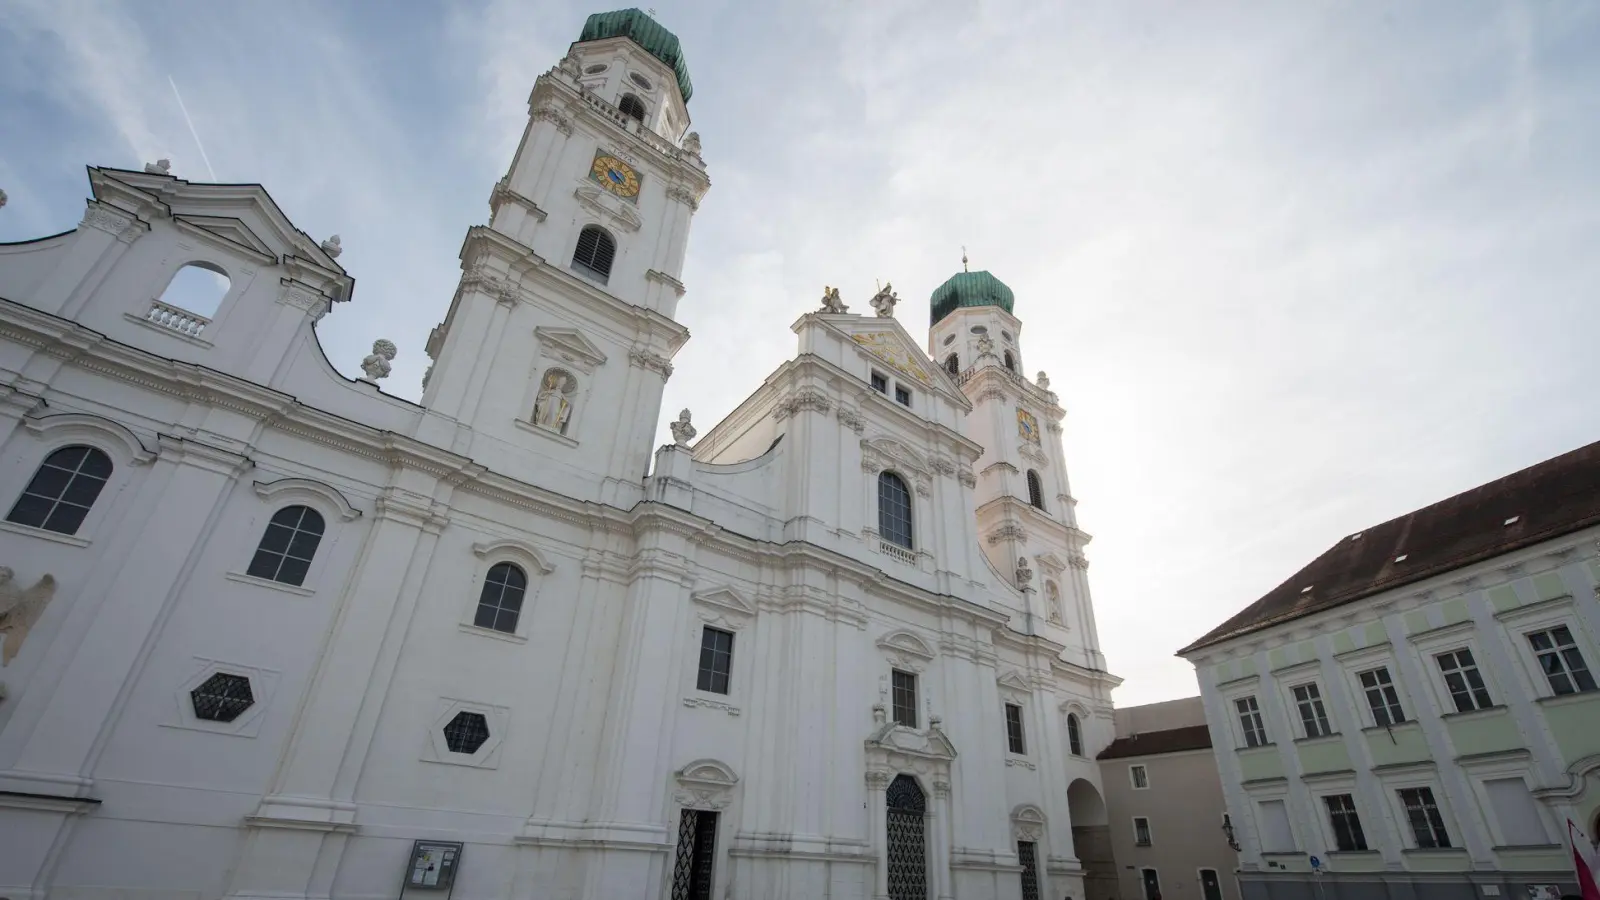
x: 1516, y: 814
x: 1139, y: 777
x: 1462, y: 679
x: 903, y: 698
x: 1345, y: 822
x: 1565, y: 670
x: 1250, y: 725
x: 1424, y: 818
x: 1141, y: 831
x: 1273, y: 827
x: 1015, y: 741
x: 1383, y: 700
x: 1313, y: 714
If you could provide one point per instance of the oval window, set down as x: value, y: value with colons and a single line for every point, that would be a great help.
x: 640, y: 80
x: 595, y: 70
x: 980, y: 329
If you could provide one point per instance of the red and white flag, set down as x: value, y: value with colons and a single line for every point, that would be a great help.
x: 1585, y: 861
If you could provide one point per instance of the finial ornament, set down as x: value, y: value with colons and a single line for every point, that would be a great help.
x: 1024, y: 574
x: 1043, y: 381
x: 691, y: 142
x: 376, y: 365
x: 884, y: 302
x: 682, y: 431
x: 159, y: 167
x: 831, y: 302
x: 332, y: 247
x: 963, y: 257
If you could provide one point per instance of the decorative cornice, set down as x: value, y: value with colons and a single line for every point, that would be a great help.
x: 668, y: 280
x: 1010, y: 531
x: 1077, y: 560
x: 503, y: 194
x: 303, y: 297
x: 802, y: 399
x: 125, y: 226
x: 684, y: 196
x: 554, y: 116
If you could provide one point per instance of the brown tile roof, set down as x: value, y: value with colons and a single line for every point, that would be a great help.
x: 1172, y: 740
x: 1555, y: 497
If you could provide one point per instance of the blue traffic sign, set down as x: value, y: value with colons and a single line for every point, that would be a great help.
x: 1316, y: 863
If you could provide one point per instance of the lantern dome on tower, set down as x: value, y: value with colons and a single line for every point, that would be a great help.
x: 968, y: 289
x: 638, y: 27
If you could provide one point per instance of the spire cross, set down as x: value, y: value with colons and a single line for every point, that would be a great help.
x: 964, y: 258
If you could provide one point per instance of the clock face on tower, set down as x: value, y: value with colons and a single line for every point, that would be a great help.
x: 615, y: 176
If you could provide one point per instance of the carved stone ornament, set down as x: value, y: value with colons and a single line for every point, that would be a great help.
x: 682, y: 431
x: 1010, y: 531
x: 159, y: 167
x: 684, y: 196
x: 552, y: 115
x: 966, y: 478
x: 852, y: 419
x: 883, y: 302
x: 1024, y: 574
x: 303, y: 297
x: 1043, y: 381
x: 800, y: 400
x: 569, y: 66
x: 655, y: 362
x: 1052, y: 595
x: 1077, y: 560
x: 332, y: 247
x: 608, y: 207
x: 376, y: 365
x: 985, y: 345
x: 20, y: 609
x: 106, y: 218
x: 705, y: 784
x: 691, y: 142
x: 831, y: 302
x: 1027, y: 823
x: 944, y: 465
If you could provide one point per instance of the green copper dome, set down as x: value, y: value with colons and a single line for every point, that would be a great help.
x: 969, y: 289
x: 647, y: 33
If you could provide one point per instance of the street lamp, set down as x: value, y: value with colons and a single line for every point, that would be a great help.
x: 1227, y: 832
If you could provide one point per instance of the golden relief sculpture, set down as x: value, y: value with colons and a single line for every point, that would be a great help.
x: 884, y: 346
x: 20, y: 610
x: 1027, y: 426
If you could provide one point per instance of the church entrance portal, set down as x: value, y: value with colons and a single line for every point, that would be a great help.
x: 908, y: 845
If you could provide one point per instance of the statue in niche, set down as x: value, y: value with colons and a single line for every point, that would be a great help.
x: 376, y: 365
x: 1024, y: 574
x: 20, y: 609
x: 553, y: 409
x: 1053, y: 595
x: 831, y: 302
x: 883, y: 302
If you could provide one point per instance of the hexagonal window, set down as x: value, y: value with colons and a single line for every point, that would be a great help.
x: 222, y: 697
x: 466, y: 732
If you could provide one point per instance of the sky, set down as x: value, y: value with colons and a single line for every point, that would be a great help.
x: 1294, y: 269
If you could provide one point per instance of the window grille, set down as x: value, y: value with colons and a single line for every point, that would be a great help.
x: 1074, y: 736
x: 1210, y: 885
x: 907, y: 845
x: 1427, y: 825
x: 1035, y: 490
x: 1014, y: 736
x: 1255, y: 733
x: 288, y: 546
x: 500, y: 602
x: 1313, y: 715
x: 894, y: 510
x: 63, y: 490
x: 1141, y: 831
x: 952, y: 364
x: 1027, y: 855
x: 1347, y: 833
x: 1465, y: 682
x: 696, y: 854
x: 904, y: 698
x: 466, y: 732
x: 1560, y: 660
x: 222, y: 697
x: 595, y: 252
x: 1382, y: 698
x: 632, y: 106
x: 1152, y: 884
x: 716, y: 660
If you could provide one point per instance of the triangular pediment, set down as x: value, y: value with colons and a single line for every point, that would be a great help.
x: 726, y: 599
x: 231, y: 231
x: 885, y: 340
x: 570, y: 346
x: 1014, y: 680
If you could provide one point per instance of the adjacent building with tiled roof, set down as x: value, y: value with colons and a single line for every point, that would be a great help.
x: 1415, y: 711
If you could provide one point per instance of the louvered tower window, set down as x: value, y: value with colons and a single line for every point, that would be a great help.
x: 952, y: 364
x: 632, y: 106
x: 596, y: 250
x: 1035, y: 490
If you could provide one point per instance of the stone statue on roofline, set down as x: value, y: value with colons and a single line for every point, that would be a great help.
x: 831, y: 302
x: 376, y: 365
x: 682, y: 431
x: 883, y: 302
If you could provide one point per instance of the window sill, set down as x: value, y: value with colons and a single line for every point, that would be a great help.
x: 544, y: 432
x: 1283, y: 853
x: 1434, y: 851
x: 1564, y: 699
x: 481, y: 631
x: 70, y: 540
x: 1471, y: 713
x: 1142, y: 844
x: 1528, y: 848
x: 1355, y: 853
x: 1373, y: 729
x: 1330, y: 737
x: 1247, y: 749
x: 269, y: 584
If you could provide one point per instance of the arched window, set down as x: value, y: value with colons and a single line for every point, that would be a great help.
x: 1035, y: 490
x: 500, y: 603
x: 286, y: 550
x: 63, y: 490
x: 952, y: 364
x: 595, y: 251
x: 632, y: 106
x: 197, y: 288
x: 1074, y: 736
x: 1010, y: 361
x: 894, y: 510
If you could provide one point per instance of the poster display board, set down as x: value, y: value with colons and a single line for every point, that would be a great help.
x: 432, y: 868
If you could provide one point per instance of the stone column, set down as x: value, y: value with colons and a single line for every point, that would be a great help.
x: 941, y: 839
x: 878, y: 822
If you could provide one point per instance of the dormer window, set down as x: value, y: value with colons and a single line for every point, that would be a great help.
x: 632, y: 106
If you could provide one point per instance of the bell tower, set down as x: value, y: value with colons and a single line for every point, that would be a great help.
x: 1024, y: 500
x: 559, y: 341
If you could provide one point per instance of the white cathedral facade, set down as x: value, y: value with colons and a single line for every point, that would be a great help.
x: 268, y: 632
